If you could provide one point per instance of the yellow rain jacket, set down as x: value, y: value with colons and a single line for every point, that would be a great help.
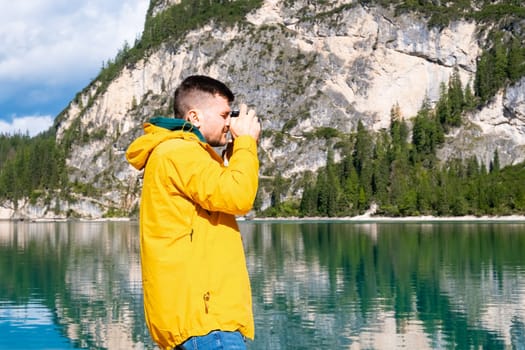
x: 194, y: 271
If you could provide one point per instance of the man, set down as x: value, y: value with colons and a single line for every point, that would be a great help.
x: 196, y: 286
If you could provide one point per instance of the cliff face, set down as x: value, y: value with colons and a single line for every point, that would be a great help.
x: 304, y: 66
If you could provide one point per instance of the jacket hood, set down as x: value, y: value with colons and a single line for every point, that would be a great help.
x: 156, y: 131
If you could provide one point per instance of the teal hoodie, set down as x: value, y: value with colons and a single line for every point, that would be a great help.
x: 174, y: 124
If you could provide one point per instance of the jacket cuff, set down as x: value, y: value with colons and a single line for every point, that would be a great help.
x: 245, y: 142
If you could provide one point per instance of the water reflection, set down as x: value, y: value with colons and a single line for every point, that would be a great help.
x: 326, y: 285
x: 85, y: 275
x: 384, y: 286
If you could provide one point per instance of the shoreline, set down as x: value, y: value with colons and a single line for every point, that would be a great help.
x: 386, y: 219
x: 59, y: 219
x: 350, y: 219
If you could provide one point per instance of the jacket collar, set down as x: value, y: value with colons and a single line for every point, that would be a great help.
x: 174, y: 124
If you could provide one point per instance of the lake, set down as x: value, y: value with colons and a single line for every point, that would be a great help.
x: 329, y: 285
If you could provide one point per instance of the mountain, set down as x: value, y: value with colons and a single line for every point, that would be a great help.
x: 314, y: 70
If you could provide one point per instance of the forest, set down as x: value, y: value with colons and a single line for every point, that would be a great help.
x: 31, y: 168
x: 401, y: 174
x: 397, y: 170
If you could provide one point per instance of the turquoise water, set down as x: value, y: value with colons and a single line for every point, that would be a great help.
x: 315, y: 284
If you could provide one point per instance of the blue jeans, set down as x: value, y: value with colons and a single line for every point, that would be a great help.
x: 215, y: 340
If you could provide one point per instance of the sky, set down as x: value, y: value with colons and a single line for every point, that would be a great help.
x: 51, y: 49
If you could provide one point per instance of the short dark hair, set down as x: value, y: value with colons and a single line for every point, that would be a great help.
x: 198, y: 83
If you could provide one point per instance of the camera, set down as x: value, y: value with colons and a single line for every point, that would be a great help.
x: 234, y: 113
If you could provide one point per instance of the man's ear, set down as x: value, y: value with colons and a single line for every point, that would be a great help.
x: 193, y: 117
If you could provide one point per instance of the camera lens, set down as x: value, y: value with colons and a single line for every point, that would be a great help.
x: 234, y: 113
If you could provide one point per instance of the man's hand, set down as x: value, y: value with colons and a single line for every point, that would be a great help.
x: 245, y: 124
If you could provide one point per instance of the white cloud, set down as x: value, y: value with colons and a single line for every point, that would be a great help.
x: 33, y: 125
x: 49, y: 46
x: 60, y: 39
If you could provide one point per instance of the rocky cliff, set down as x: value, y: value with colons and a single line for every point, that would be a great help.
x: 305, y: 66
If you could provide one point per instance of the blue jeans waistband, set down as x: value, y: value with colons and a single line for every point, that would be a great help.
x: 215, y: 340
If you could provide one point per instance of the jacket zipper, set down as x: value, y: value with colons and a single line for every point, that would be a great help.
x: 206, y: 298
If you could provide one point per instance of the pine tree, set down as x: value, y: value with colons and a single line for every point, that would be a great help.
x: 399, y: 133
x: 482, y: 83
x: 334, y: 188
x: 381, y: 170
x: 456, y: 99
x: 424, y: 190
x: 427, y: 133
x: 308, y: 204
x: 494, y: 165
x: 500, y: 65
x: 351, y: 192
x: 516, y: 60
x: 278, y: 190
x: 443, y: 110
x: 470, y: 99
x: 473, y: 168
x: 363, y: 158
x: 400, y: 182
